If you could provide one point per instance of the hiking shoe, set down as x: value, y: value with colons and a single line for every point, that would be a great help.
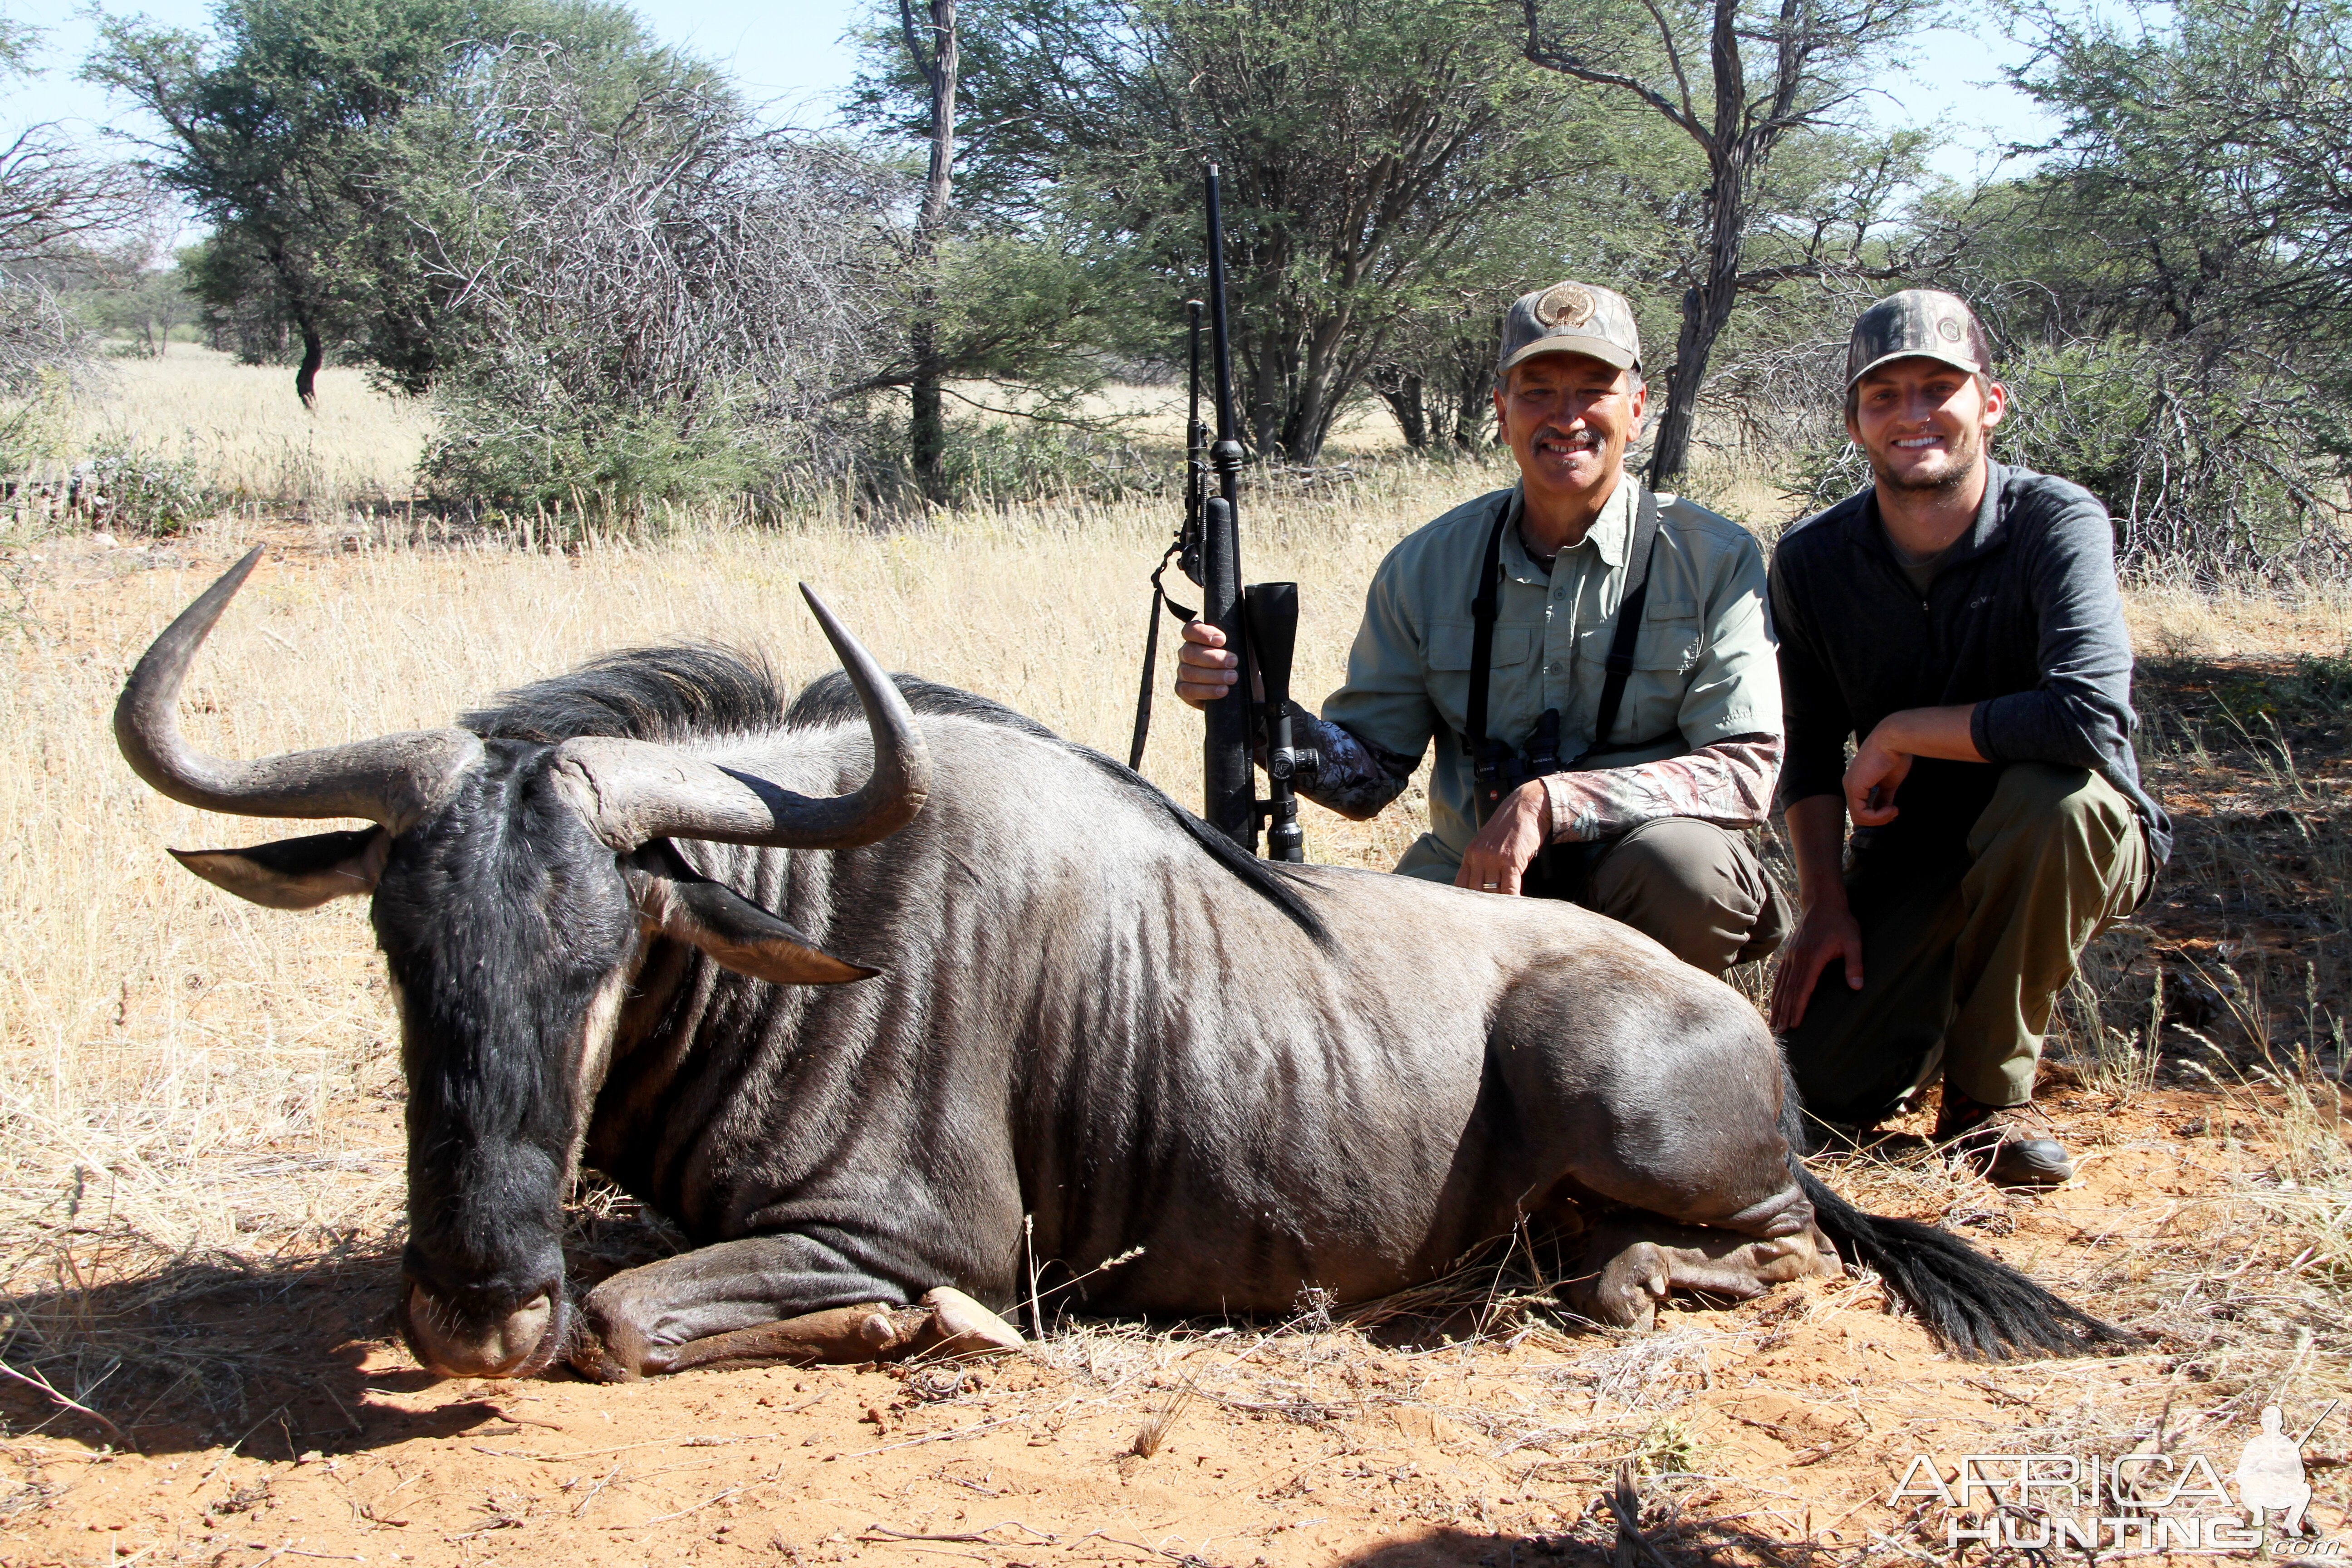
x: 2010, y: 1145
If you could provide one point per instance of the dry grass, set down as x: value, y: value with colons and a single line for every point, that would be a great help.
x: 250, y: 438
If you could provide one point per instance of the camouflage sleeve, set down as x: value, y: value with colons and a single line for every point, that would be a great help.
x: 1729, y: 783
x: 1356, y: 776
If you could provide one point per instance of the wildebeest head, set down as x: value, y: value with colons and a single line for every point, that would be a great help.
x: 513, y: 883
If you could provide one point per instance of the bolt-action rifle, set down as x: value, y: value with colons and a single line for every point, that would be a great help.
x: 1260, y: 622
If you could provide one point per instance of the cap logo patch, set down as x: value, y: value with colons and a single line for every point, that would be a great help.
x: 1949, y: 330
x: 1564, y: 305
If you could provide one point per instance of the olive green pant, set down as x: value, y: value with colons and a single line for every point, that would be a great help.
x: 1964, y: 947
x: 1696, y: 890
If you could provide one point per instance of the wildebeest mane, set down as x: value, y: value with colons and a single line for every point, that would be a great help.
x: 829, y: 700
x: 671, y: 694
x: 682, y: 691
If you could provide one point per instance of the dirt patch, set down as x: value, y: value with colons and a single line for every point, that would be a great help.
x: 1775, y: 1426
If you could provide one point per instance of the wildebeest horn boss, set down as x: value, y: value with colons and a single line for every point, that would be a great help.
x: 614, y: 908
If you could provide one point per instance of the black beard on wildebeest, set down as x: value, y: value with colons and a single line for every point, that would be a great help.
x: 1100, y: 1029
x: 501, y: 920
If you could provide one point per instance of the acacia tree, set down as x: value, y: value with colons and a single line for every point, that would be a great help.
x: 1744, y: 81
x: 2176, y: 279
x: 659, y: 299
x: 303, y: 133
x: 277, y: 135
x: 1362, y: 147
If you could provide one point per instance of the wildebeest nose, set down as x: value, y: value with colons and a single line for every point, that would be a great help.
x: 456, y: 1349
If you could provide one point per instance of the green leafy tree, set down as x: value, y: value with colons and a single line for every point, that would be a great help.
x: 1362, y: 148
x: 305, y: 133
x: 1767, y: 93
x: 2174, y: 282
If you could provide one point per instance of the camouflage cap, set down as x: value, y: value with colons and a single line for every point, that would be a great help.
x: 1925, y: 323
x: 1570, y: 318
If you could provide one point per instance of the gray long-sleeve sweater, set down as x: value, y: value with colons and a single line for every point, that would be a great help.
x: 2023, y: 619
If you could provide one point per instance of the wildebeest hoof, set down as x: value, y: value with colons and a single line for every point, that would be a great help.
x: 1625, y: 1292
x: 960, y: 1326
x: 606, y: 1351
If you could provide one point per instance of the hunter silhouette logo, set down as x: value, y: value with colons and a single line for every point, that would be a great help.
x: 2270, y: 1472
x: 2140, y: 1503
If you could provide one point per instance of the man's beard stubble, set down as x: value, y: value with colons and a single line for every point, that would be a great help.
x: 1967, y: 451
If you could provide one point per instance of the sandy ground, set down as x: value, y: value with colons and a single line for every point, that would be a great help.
x: 1776, y: 1427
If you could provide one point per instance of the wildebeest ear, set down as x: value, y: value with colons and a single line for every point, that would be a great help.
x: 295, y: 873
x: 731, y: 929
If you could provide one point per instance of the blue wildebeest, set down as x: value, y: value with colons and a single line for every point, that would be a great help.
x: 850, y: 998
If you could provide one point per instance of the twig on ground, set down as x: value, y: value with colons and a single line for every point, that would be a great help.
x: 36, y: 1381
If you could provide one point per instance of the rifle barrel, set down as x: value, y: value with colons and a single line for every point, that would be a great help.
x: 1228, y: 784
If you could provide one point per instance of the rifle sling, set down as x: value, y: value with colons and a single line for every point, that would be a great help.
x: 1152, y: 656
x: 1639, y: 553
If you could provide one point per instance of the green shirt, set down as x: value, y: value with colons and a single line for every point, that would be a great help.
x: 1703, y: 666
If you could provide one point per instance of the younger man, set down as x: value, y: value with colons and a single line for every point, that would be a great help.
x: 1959, y: 621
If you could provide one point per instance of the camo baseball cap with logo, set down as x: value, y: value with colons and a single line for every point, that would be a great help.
x: 1570, y: 318
x: 1917, y: 322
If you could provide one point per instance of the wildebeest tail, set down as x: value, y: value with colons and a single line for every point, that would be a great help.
x: 1975, y: 1307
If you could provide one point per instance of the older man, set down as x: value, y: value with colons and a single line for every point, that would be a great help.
x: 1593, y: 660
x: 1959, y: 621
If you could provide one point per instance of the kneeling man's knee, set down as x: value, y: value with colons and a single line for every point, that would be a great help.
x: 2043, y: 800
x: 1692, y: 886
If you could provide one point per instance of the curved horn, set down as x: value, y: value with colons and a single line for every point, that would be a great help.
x: 391, y: 780
x: 634, y: 791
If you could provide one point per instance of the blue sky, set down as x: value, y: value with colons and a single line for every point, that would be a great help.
x: 792, y: 54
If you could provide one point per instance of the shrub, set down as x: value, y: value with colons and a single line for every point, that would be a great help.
x: 138, y: 487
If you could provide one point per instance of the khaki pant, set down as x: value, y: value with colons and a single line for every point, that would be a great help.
x: 1695, y: 889
x: 1964, y: 947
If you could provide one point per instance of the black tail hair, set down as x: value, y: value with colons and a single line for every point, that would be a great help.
x: 1978, y: 1309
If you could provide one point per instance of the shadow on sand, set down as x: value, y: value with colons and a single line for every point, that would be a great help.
x: 270, y: 1354
x: 1617, y: 1532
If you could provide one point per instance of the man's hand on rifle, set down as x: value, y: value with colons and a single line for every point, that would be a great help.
x: 1206, y: 669
x: 1499, y: 857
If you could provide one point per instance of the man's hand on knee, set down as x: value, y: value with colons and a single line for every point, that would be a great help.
x: 1499, y: 859
x: 1827, y: 932
x: 1206, y: 669
x: 1882, y: 761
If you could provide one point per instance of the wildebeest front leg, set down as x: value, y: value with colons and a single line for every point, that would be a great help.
x: 768, y: 1299
x: 1633, y: 1263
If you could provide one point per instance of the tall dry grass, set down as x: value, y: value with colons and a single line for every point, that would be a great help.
x: 250, y: 438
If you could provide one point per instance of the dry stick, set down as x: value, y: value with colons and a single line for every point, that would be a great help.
x: 936, y: 1437
x: 591, y: 1494
x: 978, y: 1537
x: 1133, y: 1545
x: 36, y: 1381
x: 681, y: 1513
x: 693, y: 1440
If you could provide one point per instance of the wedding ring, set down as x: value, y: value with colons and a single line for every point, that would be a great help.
x: 1486, y: 887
